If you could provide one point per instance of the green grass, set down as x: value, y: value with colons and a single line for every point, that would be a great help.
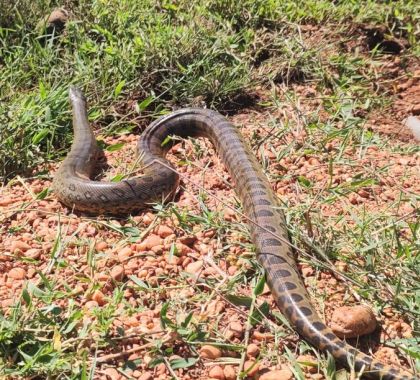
x: 123, y: 52
x: 138, y: 59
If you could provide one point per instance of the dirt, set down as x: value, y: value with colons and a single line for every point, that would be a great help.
x: 30, y: 228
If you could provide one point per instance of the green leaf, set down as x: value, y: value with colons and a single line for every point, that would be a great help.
x: 145, y: 103
x: 40, y: 136
x: 42, y: 90
x: 167, y: 139
x: 117, y: 178
x: 43, y: 193
x: 304, y: 181
x: 139, y: 282
x: 187, y: 320
x: 239, y: 300
x: 35, y: 291
x: 258, y: 315
x: 26, y: 296
x: 259, y: 288
x: 114, y: 147
x: 118, y: 89
x: 183, y: 363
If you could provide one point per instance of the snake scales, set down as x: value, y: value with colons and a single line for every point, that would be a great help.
x: 268, y: 229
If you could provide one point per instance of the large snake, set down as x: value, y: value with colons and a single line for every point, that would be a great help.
x: 267, y: 223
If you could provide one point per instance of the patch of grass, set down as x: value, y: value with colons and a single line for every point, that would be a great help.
x: 122, y: 52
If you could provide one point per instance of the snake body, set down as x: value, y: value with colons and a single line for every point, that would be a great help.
x: 267, y: 223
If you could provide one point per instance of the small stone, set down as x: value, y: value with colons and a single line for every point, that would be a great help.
x: 252, y: 350
x: 353, y: 321
x: 5, y: 304
x: 151, y: 241
x: 182, y: 249
x: 58, y: 17
x: 17, y: 273
x: 232, y: 270
x: 195, y: 267
x: 124, y: 254
x: 188, y: 240
x: 164, y: 231
x: 259, y: 336
x: 216, y: 372
x: 19, y: 245
x: 307, y: 271
x: 145, y: 376
x: 210, y: 352
x: 282, y: 374
x: 236, y: 328
x: 112, y: 374
x: 33, y: 253
x: 161, y: 369
x: 229, y: 372
x: 251, y: 367
x: 6, y: 201
x: 117, y: 273
x: 101, y: 246
x: 91, y: 304
x: 98, y: 297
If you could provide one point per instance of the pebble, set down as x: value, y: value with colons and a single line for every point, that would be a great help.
x: 98, y: 297
x: 251, y: 367
x: 195, y: 267
x: 6, y: 201
x: 216, y: 372
x: 19, y: 245
x: 101, y: 246
x: 17, y: 273
x: 210, y: 352
x: 236, y: 328
x: 353, y: 321
x: 229, y: 372
x: 117, y: 273
x: 58, y: 17
x: 164, y: 231
x: 112, y: 374
x: 232, y: 270
x: 150, y: 242
x: 188, y: 240
x: 252, y: 350
x: 145, y: 376
x: 91, y: 304
x: 282, y: 374
x: 259, y: 336
x: 124, y: 254
x: 33, y: 253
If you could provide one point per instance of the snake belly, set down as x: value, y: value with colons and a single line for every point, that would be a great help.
x: 266, y: 220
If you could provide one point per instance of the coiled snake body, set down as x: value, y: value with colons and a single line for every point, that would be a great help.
x: 268, y: 229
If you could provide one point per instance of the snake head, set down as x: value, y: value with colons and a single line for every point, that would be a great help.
x: 75, y: 94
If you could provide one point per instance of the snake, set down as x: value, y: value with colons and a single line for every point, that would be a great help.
x: 73, y: 186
